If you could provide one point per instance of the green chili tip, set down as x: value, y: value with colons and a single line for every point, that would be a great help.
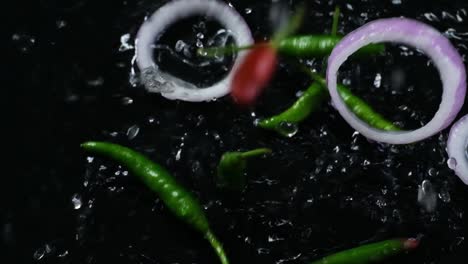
x: 370, y: 253
x: 256, y: 152
x: 218, y: 247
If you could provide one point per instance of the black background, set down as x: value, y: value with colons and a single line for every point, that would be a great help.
x: 300, y: 194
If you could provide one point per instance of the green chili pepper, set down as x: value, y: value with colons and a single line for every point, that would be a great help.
x: 174, y: 196
x: 231, y: 168
x: 298, y: 46
x: 299, y: 111
x: 359, y: 107
x: 319, y: 46
x: 370, y: 253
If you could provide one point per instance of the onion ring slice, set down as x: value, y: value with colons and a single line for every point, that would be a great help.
x: 416, y: 34
x: 457, y: 145
x: 172, y: 87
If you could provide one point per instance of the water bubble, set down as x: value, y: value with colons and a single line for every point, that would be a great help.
x: 127, y: 101
x: 287, y: 129
x: 381, y: 203
x: 76, y: 201
x: 378, y: 80
x: 180, y: 45
x: 124, y: 45
x: 42, y: 252
x: 263, y: 251
x: 61, y: 23
x: 299, y: 93
x: 133, y: 131
x: 432, y: 172
x: 427, y: 196
x: 178, y: 154
x: 444, y: 194
x: 96, y: 82
x: 452, y: 163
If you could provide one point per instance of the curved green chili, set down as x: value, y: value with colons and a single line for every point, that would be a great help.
x: 232, y: 166
x: 175, y: 197
x: 359, y: 107
x: 299, y: 111
x: 370, y: 253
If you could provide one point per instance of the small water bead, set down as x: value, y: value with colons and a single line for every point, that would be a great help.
x: 248, y: 11
x: 127, y: 101
x: 133, y: 131
x: 444, y: 195
x: 124, y: 45
x: 427, y: 196
x: 378, y: 80
x: 263, y: 251
x: 76, y: 201
x: 180, y: 46
x: 396, y: 2
x: 288, y: 129
x: 42, y: 252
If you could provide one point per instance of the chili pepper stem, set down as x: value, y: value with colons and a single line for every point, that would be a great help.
x: 218, y: 247
x: 256, y: 152
x: 216, y: 51
x: 336, y: 18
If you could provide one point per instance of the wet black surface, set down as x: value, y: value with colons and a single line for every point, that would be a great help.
x: 324, y: 190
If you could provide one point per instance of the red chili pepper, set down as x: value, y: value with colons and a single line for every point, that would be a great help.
x: 254, y: 74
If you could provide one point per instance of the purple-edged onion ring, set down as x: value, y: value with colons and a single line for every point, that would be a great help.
x: 172, y: 87
x: 423, y: 37
x: 457, y: 149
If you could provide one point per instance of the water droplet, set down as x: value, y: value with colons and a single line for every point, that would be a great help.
x: 381, y: 203
x: 432, y: 172
x: 427, y: 196
x: 127, y: 101
x: 263, y: 251
x: 200, y: 35
x: 444, y: 194
x: 179, y: 152
x: 180, y: 45
x: 61, y: 23
x: 96, y: 82
x: 76, y: 201
x: 452, y: 163
x: 124, y: 45
x: 299, y: 93
x: 248, y: 11
x: 287, y: 129
x: 378, y: 80
x: 396, y: 2
x: 133, y: 131
x: 42, y: 252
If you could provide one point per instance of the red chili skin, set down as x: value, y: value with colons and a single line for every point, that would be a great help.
x: 254, y: 74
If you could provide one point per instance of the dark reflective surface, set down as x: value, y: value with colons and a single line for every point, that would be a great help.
x: 324, y: 190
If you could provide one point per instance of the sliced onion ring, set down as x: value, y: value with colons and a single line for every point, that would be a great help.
x: 445, y: 57
x: 172, y: 87
x: 456, y: 148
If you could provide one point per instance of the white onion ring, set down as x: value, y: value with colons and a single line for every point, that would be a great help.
x: 169, y: 86
x: 445, y: 57
x: 456, y: 149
